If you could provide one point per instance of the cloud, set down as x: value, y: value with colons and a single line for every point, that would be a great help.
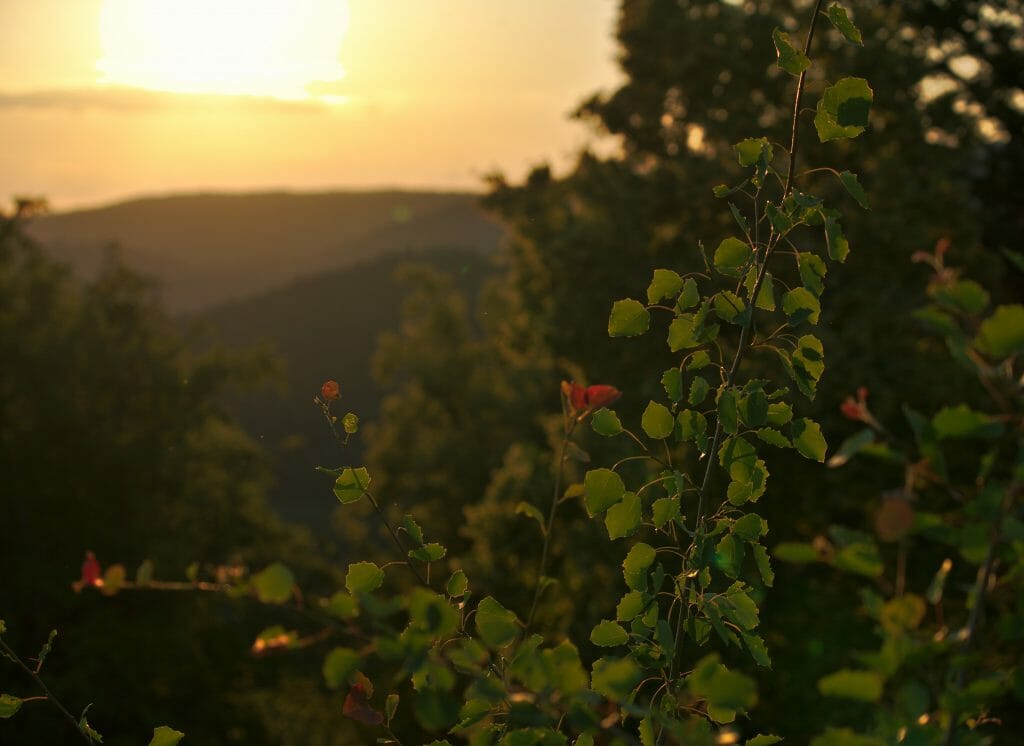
x: 126, y: 99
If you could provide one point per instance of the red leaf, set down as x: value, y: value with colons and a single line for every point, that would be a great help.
x: 601, y: 395
x: 358, y: 707
x: 330, y: 391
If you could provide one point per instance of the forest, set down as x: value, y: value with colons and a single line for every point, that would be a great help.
x: 716, y: 438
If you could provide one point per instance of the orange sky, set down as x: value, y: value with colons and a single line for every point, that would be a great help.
x: 421, y: 93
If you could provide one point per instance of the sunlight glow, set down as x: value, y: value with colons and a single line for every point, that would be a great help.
x: 285, y: 49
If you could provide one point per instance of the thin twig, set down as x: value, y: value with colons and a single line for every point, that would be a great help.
x: 45, y: 689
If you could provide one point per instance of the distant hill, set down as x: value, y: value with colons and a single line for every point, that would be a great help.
x: 323, y: 327
x: 206, y: 249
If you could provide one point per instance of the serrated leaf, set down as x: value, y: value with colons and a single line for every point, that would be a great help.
x: 363, y: 577
x: 808, y: 440
x: 690, y: 295
x: 838, y: 246
x: 837, y: 15
x: 165, y: 736
x: 623, y: 518
x: 791, y: 59
x: 664, y: 510
x: 431, y: 552
x: 764, y: 565
x: 852, y: 184
x: 672, y: 382
x: 699, y: 389
x: 730, y: 307
x: 350, y: 423
x: 634, y: 567
x: 657, y: 421
x: 728, y: 411
x: 496, y: 625
x: 766, y: 295
x: 608, y: 634
x: 750, y: 527
x: 615, y: 678
x: 629, y: 318
x: 680, y: 333
x: 351, y: 484
x: 731, y: 257
x: 606, y: 422
x: 602, y: 488
x: 772, y: 437
x: 457, y: 585
x: 664, y: 284
x: 801, y: 305
x: 752, y: 150
x: 812, y: 272
x: 412, y: 530
x: 842, y: 111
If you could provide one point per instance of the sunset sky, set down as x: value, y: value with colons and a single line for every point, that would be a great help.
x: 105, y: 99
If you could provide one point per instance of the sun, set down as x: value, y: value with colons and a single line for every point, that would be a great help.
x: 285, y: 49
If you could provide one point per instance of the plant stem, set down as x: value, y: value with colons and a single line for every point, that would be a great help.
x: 980, y: 586
x: 45, y: 689
x: 543, y: 567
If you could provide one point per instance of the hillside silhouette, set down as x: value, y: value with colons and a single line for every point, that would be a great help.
x: 208, y: 249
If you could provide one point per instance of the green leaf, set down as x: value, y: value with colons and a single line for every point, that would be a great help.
x: 728, y: 411
x: 646, y: 731
x: 766, y: 295
x: 363, y: 577
x: 964, y: 296
x: 773, y: 437
x: 865, y: 686
x: 634, y: 567
x: 843, y: 109
x: 693, y: 426
x: 274, y: 584
x: 963, y: 422
x: 791, y: 59
x: 412, y: 530
x: 390, y: 707
x: 852, y: 184
x: 629, y: 318
x: 630, y: 606
x: 758, y: 650
x: 496, y: 625
x: 860, y: 558
x: 750, y: 527
x: 731, y: 257
x: 431, y: 613
x: 801, y: 305
x: 602, y: 488
x: 672, y: 382
x: 606, y: 422
x: 752, y: 150
x: 608, y: 634
x: 681, y: 334
x: 665, y: 284
x: 753, y: 408
x: 763, y: 740
x: 808, y: 440
x: 851, y: 447
x: 665, y: 509
x: 844, y: 737
x: 779, y: 413
x: 342, y: 605
x: 657, y: 421
x: 807, y: 365
x: 531, y: 511
x: 164, y: 736
x: 812, y: 272
x: 838, y: 246
x: 1002, y: 333
x: 458, y: 584
x: 9, y: 705
x: 730, y: 307
x: 623, y: 518
x: 690, y: 296
x: 699, y: 389
x: 723, y: 689
x: 729, y: 555
x: 350, y: 423
x: 431, y: 552
x: 795, y: 552
x: 842, y: 22
x: 338, y: 665
x: 764, y: 565
x: 472, y: 712
x: 351, y: 484
x: 615, y: 678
